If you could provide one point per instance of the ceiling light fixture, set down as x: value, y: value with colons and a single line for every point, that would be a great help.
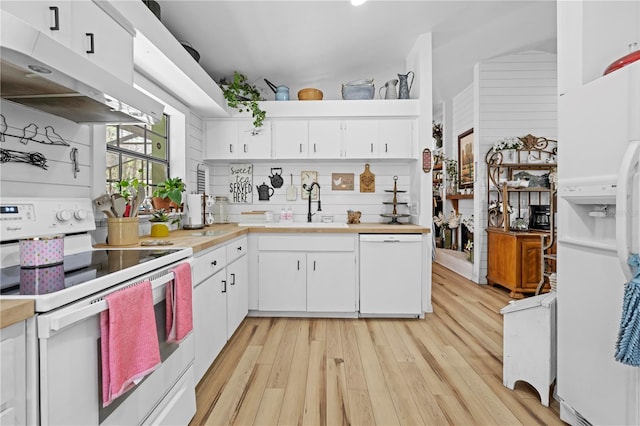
x: 357, y: 2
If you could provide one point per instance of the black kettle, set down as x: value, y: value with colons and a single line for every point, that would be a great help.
x: 264, y: 192
x: 276, y: 179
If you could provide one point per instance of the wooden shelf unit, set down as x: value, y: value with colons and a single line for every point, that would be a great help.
x: 521, y: 260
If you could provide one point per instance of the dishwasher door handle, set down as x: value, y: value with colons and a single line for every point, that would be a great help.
x: 391, y: 241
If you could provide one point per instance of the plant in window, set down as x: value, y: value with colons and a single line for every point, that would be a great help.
x: 172, y: 189
x: 126, y: 186
x: 436, y: 132
x: 244, y: 97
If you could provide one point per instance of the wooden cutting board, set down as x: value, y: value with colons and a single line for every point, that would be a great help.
x: 367, y: 180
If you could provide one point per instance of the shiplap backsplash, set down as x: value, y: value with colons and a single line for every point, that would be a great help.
x: 334, y: 203
x: 26, y: 180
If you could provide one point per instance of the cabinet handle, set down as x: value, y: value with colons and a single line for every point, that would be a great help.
x: 245, y: 148
x: 231, y: 148
x: 298, y: 265
x: 224, y: 286
x: 91, y: 45
x: 371, y: 147
x: 301, y: 148
x: 233, y: 277
x: 56, y: 18
x: 214, y: 263
x: 385, y: 147
x: 239, y: 248
x: 314, y: 265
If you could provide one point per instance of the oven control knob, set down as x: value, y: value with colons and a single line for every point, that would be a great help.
x: 80, y: 214
x: 63, y: 215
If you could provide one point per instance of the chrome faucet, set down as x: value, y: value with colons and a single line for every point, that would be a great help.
x: 310, y: 189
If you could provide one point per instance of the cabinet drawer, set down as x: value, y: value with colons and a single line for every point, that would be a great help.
x: 208, y: 264
x: 307, y: 243
x: 236, y: 248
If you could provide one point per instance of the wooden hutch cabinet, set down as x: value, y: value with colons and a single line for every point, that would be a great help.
x: 521, y: 228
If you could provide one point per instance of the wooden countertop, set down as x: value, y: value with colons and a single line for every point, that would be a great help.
x: 13, y: 311
x: 212, y: 235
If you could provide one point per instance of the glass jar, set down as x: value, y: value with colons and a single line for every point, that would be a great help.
x: 221, y: 209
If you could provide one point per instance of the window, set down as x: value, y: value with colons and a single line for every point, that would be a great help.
x: 140, y: 151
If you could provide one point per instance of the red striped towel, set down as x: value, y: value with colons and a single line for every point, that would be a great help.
x: 179, y: 304
x: 129, y: 340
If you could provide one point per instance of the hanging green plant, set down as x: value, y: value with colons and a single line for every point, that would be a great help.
x: 244, y: 97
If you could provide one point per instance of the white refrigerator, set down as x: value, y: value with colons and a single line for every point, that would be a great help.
x: 598, y: 228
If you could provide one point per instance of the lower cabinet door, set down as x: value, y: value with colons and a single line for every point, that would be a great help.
x: 331, y: 282
x: 282, y: 281
x: 209, y: 321
x: 237, y: 294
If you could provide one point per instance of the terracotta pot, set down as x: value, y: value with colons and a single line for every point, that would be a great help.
x: 163, y: 203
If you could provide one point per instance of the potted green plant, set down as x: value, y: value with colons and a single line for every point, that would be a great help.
x: 125, y: 186
x: 243, y: 96
x: 160, y: 223
x: 167, y: 192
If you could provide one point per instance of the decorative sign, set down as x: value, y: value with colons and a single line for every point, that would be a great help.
x: 307, y: 178
x: 367, y: 180
x: 426, y: 160
x: 241, y: 183
x: 342, y: 181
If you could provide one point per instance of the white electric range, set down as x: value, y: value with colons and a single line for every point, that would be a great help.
x: 63, y: 339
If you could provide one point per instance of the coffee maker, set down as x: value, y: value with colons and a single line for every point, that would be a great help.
x: 539, y: 217
x: 195, y: 207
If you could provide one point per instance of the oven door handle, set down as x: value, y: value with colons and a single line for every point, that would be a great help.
x: 63, y: 319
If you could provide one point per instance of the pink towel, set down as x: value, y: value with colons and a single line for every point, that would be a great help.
x: 179, y: 304
x: 129, y: 340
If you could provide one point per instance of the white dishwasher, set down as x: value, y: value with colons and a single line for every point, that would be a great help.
x: 391, y: 274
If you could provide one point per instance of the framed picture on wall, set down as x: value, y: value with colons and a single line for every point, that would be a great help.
x: 466, y: 162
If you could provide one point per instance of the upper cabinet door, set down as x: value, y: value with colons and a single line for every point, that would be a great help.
x: 325, y: 139
x: 361, y: 138
x: 252, y: 142
x: 51, y: 17
x: 99, y: 38
x: 396, y: 138
x: 221, y: 141
x: 290, y: 138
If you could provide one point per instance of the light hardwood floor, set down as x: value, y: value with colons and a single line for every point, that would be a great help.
x: 443, y: 369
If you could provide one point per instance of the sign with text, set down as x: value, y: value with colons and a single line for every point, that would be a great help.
x: 241, y: 183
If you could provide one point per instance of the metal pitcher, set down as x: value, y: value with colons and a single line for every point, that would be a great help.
x: 390, y: 90
x: 405, y: 87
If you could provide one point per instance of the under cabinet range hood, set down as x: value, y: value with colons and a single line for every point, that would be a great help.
x: 40, y: 73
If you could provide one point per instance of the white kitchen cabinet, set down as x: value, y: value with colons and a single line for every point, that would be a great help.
x: 361, y: 138
x: 13, y: 370
x: 220, y: 299
x: 83, y: 27
x: 383, y: 138
x: 307, y: 139
x: 307, y: 273
x: 291, y: 138
x: 396, y: 138
x: 237, y: 139
x: 283, y: 281
x: 53, y: 18
x: 331, y: 282
x: 325, y: 139
x: 99, y: 38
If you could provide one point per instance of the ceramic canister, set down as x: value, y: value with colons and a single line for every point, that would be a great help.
x: 41, y: 280
x: 41, y: 251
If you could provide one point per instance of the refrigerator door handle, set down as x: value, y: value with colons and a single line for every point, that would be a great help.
x: 623, y: 234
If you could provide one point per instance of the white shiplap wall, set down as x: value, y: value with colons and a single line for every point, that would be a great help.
x: 517, y: 95
x: 26, y: 180
x: 335, y: 203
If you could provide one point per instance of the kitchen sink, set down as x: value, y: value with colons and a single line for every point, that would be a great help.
x: 307, y: 225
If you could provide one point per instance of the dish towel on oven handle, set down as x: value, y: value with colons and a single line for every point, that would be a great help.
x: 129, y: 340
x: 179, y: 322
